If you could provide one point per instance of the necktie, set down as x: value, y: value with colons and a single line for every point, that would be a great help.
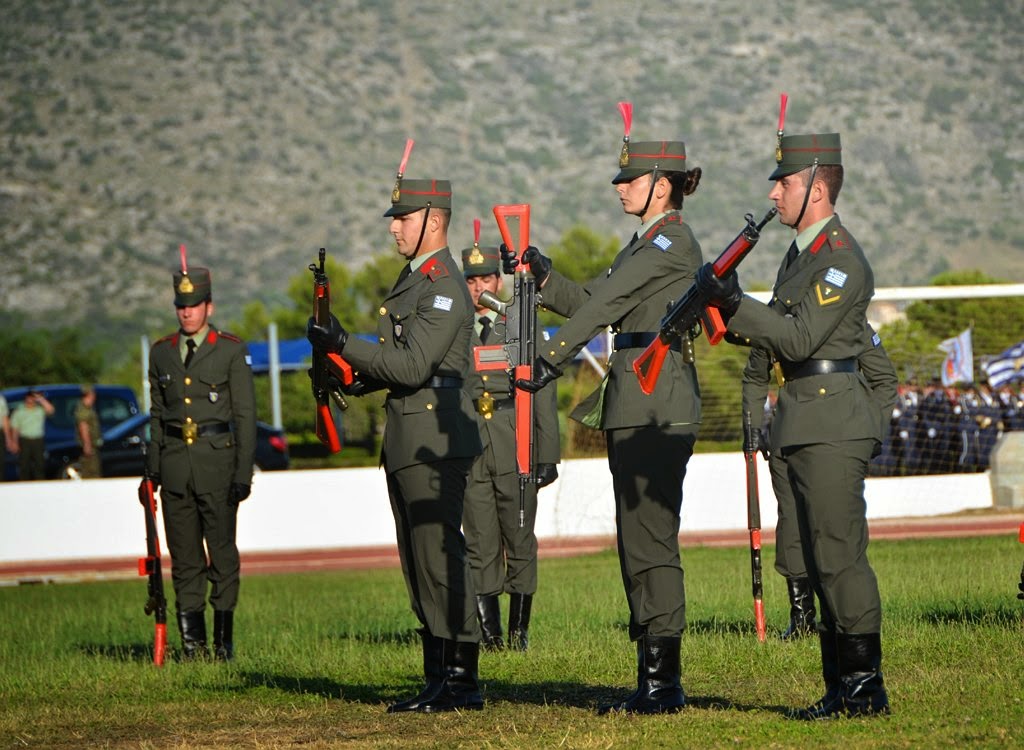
x: 402, y: 276
x: 191, y: 344
x: 791, y: 255
x: 485, y: 328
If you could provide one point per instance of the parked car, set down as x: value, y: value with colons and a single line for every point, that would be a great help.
x: 114, y: 404
x: 121, y: 454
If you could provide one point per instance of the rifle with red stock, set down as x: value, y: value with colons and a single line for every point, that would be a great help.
x: 156, y: 602
x: 330, y: 371
x: 692, y: 308
x: 520, y: 347
x: 754, y: 525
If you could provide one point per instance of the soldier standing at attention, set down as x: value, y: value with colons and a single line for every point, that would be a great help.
x: 201, y: 452
x: 827, y: 425
x: 87, y: 430
x: 502, y: 555
x: 650, y: 438
x: 421, y: 354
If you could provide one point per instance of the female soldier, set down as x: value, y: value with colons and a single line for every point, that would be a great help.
x: 649, y: 438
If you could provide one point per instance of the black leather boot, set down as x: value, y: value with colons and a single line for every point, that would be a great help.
x: 860, y: 670
x: 223, y: 635
x: 519, y: 621
x: 801, y: 609
x: 460, y: 689
x: 489, y: 612
x: 433, y: 671
x: 193, y: 634
x: 831, y: 703
x: 658, y: 678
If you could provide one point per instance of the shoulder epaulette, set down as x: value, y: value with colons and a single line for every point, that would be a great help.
x: 171, y: 337
x: 433, y: 269
x: 673, y: 218
x: 225, y: 334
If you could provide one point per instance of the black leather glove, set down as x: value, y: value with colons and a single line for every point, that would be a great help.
x: 546, y: 474
x: 758, y: 442
x: 508, y: 259
x: 238, y: 493
x: 327, y: 338
x: 725, y: 293
x: 543, y: 373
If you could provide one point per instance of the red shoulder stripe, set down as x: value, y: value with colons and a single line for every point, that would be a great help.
x: 819, y: 241
x: 673, y: 218
x: 434, y: 270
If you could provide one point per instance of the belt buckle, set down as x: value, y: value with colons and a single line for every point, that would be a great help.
x: 189, y: 432
x: 485, y: 405
x: 779, y: 377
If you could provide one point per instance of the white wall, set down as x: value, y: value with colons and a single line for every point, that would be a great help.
x: 334, y: 508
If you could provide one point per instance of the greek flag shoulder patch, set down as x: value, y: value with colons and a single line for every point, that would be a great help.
x: 443, y: 303
x: 663, y: 242
x: 876, y: 340
x: 835, y: 277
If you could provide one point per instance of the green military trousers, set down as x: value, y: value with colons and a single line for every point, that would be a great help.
x: 648, y: 465
x: 827, y: 480
x: 426, y: 500
x: 789, y: 553
x: 189, y: 519
x: 502, y: 554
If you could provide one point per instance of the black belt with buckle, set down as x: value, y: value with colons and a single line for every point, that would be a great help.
x: 797, y: 370
x: 641, y: 341
x: 498, y: 404
x: 443, y: 381
x: 202, y: 430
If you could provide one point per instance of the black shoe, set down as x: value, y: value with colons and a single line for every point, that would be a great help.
x: 460, y: 689
x: 801, y: 609
x: 857, y: 689
x: 223, y: 635
x: 831, y: 703
x: 519, y: 621
x: 433, y: 671
x: 489, y: 613
x: 193, y: 635
x: 658, y: 679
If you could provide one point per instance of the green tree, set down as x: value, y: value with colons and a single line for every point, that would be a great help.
x: 40, y: 355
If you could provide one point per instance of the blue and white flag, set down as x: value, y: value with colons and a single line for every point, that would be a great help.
x: 1006, y: 367
x: 959, y: 364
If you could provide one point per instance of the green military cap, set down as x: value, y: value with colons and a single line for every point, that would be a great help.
x: 798, y: 152
x: 641, y: 157
x: 192, y: 287
x: 412, y: 195
x: 480, y: 261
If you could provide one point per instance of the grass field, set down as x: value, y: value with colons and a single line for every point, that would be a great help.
x: 320, y: 655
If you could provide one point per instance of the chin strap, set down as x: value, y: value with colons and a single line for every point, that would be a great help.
x: 807, y: 193
x: 423, y: 229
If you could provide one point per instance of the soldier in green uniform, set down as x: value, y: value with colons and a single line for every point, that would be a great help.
x: 827, y: 424
x: 421, y: 354
x: 201, y: 452
x: 881, y: 377
x: 502, y: 554
x: 87, y: 430
x: 654, y: 269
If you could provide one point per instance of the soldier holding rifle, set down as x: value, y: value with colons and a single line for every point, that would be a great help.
x: 502, y: 553
x: 655, y: 268
x: 827, y: 425
x: 421, y: 354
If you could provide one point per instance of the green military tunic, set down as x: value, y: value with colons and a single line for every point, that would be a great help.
x: 431, y: 437
x: 503, y: 555
x: 89, y: 465
x: 202, y: 440
x: 646, y: 276
x: 826, y: 426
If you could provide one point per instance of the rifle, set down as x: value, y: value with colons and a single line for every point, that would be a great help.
x: 156, y: 603
x: 520, y: 347
x: 754, y: 524
x: 326, y: 365
x: 693, y: 309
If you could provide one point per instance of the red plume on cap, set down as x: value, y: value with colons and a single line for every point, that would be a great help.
x: 476, y: 231
x: 626, y: 110
x: 184, y: 262
x: 782, y: 123
x: 396, y: 193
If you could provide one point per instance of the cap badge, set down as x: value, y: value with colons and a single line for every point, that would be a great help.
x: 185, y: 285
x: 476, y: 258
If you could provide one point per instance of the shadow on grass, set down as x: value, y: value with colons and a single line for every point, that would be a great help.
x: 954, y: 614
x: 403, y: 637
x: 129, y: 652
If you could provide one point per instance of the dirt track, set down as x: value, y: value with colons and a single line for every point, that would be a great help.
x: 975, y: 523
